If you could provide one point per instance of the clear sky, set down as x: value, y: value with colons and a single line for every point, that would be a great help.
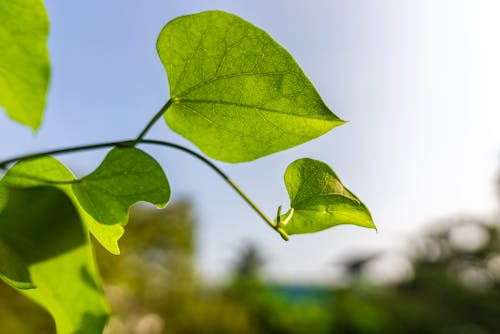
x: 418, y: 80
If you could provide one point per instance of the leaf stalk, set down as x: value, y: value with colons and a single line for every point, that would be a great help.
x: 153, y: 120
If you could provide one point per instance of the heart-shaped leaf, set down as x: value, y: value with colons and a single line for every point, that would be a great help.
x: 48, y: 171
x: 24, y: 60
x: 319, y: 200
x: 236, y: 93
x: 102, y: 198
x: 126, y: 176
x: 43, y: 228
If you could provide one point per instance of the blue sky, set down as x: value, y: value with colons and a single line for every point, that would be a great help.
x: 417, y: 80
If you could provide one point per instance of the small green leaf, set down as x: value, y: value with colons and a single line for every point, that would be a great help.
x: 126, y: 176
x: 42, y: 226
x: 24, y: 60
x: 237, y: 94
x: 47, y: 171
x: 320, y: 200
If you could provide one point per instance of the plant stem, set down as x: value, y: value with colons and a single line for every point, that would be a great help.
x: 139, y: 140
x: 247, y: 199
x: 153, y: 120
x: 5, y: 163
x: 271, y: 223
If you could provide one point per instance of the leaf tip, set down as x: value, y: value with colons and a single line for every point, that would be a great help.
x: 35, y: 127
x: 34, y: 123
x: 163, y: 204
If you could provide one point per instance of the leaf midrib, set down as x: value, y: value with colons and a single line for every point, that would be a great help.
x: 227, y: 76
x: 329, y: 118
x: 302, y: 205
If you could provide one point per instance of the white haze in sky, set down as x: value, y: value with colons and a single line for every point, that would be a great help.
x: 419, y: 82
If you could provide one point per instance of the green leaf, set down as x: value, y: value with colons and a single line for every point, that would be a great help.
x: 126, y: 176
x: 3, y: 197
x: 24, y: 60
x: 42, y: 226
x: 47, y: 171
x: 236, y: 93
x: 13, y: 270
x: 319, y: 200
x: 102, y: 198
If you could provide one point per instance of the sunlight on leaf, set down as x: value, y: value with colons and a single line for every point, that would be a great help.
x: 126, y: 176
x: 42, y: 226
x: 102, y: 198
x: 237, y: 94
x: 48, y: 171
x: 320, y: 200
x: 24, y: 60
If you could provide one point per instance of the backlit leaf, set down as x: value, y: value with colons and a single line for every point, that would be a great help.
x: 237, y: 94
x: 102, y: 198
x: 42, y: 226
x: 126, y: 176
x: 48, y: 171
x: 24, y: 60
x: 320, y: 200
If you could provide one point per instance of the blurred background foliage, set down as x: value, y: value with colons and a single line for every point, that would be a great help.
x: 446, y: 281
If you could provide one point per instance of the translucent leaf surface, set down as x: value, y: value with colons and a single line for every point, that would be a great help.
x: 126, y: 176
x: 320, y: 200
x: 42, y: 226
x: 102, y: 198
x: 237, y: 94
x: 24, y: 60
x: 47, y: 171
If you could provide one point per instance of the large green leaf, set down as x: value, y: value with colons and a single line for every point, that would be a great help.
x: 24, y: 60
x: 319, y: 200
x: 42, y: 227
x: 126, y: 176
x: 47, y: 171
x: 236, y: 93
x: 102, y: 198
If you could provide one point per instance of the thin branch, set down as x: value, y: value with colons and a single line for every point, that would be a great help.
x: 5, y: 163
x: 130, y: 143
